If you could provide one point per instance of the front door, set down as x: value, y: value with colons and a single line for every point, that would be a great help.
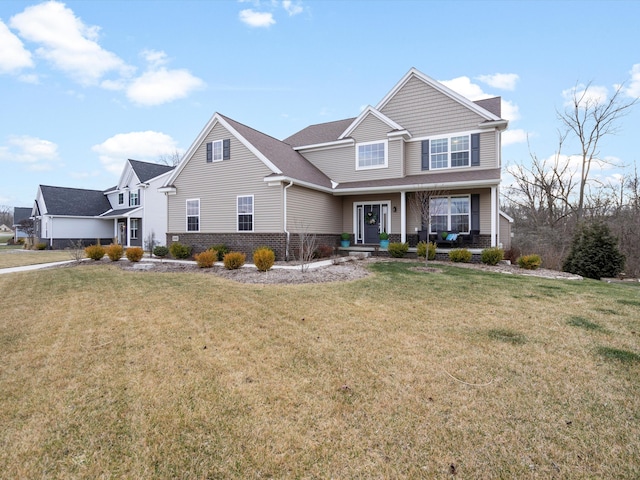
x: 122, y: 233
x: 371, y: 225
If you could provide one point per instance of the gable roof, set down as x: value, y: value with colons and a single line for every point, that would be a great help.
x: 319, y: 133
x: 76, y: 202
x: 276, y: 155
x: 145, y: 171
x: 20, y: 214
x: 365, y: 113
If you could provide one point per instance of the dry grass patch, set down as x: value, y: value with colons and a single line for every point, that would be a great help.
x: 151, y: 375
x: 17, y: 257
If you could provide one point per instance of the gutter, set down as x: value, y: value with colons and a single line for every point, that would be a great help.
x: 286, y: 253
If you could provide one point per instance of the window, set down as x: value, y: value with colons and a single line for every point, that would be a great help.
x: 134, y: 198
x: 218, y: 150
x: 193, y: 215
x: 371, y: 155
x: 245, y: 214
x: 120, y: 198
x: 134, y: 224
x: 452, y: 152
x: 450, y: 213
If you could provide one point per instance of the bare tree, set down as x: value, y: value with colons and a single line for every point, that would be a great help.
x: 421, y: 203
x: 307, y: 246
x: 590, y: 119
x: 6, y: 215
x: 171, y: 159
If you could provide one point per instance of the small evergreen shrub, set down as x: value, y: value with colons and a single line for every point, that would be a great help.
x: 397, y: 249
x: 222, y: 250
x: 594, y: 253
x: 179, y: 250
x: 234, y: 260
x: 263, y: 258
x: 134, y: 254
x: 41, y: 246
x: 492, y: 256
x: 460, y: 255
x: 324, y: 251
x: 160, y: 251
x: 114, y: 252
x: 94, y: 252
x: 206, y: 259
x: 425, y: 249
x: 530, y: 262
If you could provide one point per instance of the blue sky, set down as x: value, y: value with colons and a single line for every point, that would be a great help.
x: 84, y: 85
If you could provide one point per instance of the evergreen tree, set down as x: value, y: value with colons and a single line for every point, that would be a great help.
x: 594, y: 253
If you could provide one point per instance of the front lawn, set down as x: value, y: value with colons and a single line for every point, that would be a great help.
x: 405, y: 374
x: 18, y: 256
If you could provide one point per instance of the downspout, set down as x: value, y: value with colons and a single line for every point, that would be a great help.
x: 286, y: 252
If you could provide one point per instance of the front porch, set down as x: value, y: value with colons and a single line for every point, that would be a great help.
x: 375, y: 250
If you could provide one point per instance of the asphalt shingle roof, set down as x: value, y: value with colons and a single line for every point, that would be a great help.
x: 21, y: 213
x: 319, y: 133
x: 146, y: 171
x: 74, y: 201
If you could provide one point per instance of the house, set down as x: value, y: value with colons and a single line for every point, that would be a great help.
x: 360, y: 175
x: 5, y: 229
x: 132, y: 213
x: 20, y: 215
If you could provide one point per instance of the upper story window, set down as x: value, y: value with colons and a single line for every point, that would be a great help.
x: 193, y: 215
x: 451, y: 152
x: 245, y: 213
x: 120, y: 198
x: 218, y: 150
x: 134, y: 198
x: 371, y: 155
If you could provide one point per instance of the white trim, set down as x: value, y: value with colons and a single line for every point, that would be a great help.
x: 449, y: 197
x: 186, y: 211
x: 416, y: 186
x: 325, y: 146
x: 253, y: 214
x: 373, y: 167
x: 494, y: 216
x: 356, y: 223
x: 366, y: 112
x: 213, y: 149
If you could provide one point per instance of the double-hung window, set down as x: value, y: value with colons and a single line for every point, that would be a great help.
x: 218, y: 150
x: 450, y: 152
x: 193, y: 215
x: 134, y: 225
x: 450, y: 213
x: 120, y: 198
x: 245, y: 213
x: 134, y: 198
x: 371, y: 155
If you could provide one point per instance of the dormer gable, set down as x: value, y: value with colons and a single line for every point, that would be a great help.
x: 394, y: 128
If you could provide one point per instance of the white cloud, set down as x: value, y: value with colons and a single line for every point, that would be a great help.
x: 36, y: 153
x: 160, y: 86
x: 67, y: 43
x: 292, y: 8
x: 503, y: 81
x: 586, y: 95
x: 256, y: 19
x: 465, y: 87
x: 633, y: 88
x: 148, y: 145
x: 512, y: 137
x: 509, y: 110
x: 13, y: 56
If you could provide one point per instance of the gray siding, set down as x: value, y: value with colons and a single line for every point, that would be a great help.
x: 218, y: 184
x: 313, y: 211
x: 347, y: 209
x: 425, y: 111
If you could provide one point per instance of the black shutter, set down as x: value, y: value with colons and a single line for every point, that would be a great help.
x: 475, y: 211
x: 226, y: 149
x: 209, y: 152
x: 425, y: 155
x: 475, y: 150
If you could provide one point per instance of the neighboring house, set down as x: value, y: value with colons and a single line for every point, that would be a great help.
x: 5, y: 229
x: 131, y: 213
x: 243, y: 188
x: 20, y: 214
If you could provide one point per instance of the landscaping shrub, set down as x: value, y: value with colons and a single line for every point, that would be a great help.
x: 397, y: 249
x: 41, y: 246
x: 492, y: 256
x: 234, y: 260
x: 324, y: 251
x: 263, y: 258
x: 134, y: 254
x: 426, y: 248
x: 160, y: 251
x: 460, y: 255
x: 114, y: 252
x: 94, y: 252
x: 206, y: 259
x: 594, y: 253
x: 222, y: 250
x: 179, y: 250
x: 530, y: 262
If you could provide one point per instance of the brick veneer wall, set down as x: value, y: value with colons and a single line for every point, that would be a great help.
x: 248, y: 242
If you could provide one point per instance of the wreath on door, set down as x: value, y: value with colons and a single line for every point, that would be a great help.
x: 372, y: 218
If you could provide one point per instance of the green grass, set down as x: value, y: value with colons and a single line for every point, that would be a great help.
x: 113, y: 374
x: 581, y: 322
x: 16, y: 257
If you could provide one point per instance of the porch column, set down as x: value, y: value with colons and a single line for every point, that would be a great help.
x: 494, y: 215
x: 403, y: 216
